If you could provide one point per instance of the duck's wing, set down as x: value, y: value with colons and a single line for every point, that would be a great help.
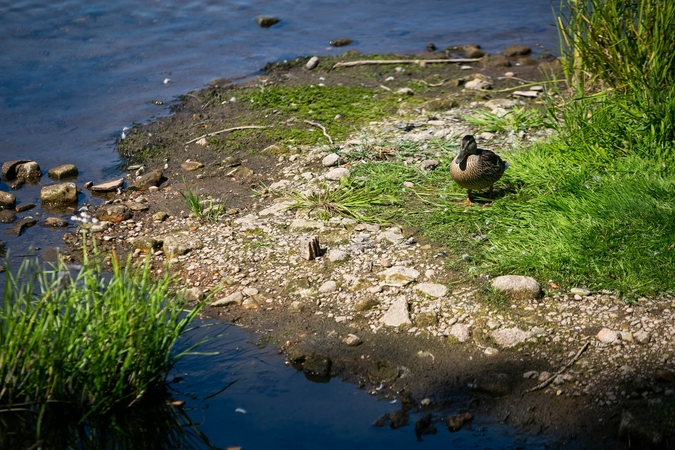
x: 489, y: 157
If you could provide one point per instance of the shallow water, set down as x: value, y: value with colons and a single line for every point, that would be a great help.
x: 73, y: 74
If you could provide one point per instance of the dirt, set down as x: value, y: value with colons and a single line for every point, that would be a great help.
x: 392, y: 364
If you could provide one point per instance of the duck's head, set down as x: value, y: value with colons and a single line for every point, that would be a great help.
x: 467, y: 148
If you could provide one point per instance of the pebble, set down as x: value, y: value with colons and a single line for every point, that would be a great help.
x: 328, y: 287
x: 330, y: 160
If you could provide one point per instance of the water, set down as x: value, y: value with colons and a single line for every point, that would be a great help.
x: 73, y: 74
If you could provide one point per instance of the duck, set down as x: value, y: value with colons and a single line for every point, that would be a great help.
x: 475, y: 168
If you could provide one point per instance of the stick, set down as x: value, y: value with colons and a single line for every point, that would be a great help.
x: 330, y: 139
x: 552, y: 377
x: 247, y: 127
x: 420, y: 62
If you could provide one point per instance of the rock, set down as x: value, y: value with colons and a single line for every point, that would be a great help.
x: 473, y: 51
x: 135, y: 206
x: 306, y: 225
x: 7, y: 199
x: 440, y: 104
x: 23, y: 207
x: 276, y: 209
x: 328, y: 287
x: 7, y: 216
x: 29, y: 169
x: 491, y: 351
x: 193, y: 294
x: 266, y: 21
x: 423, y: 426
x: 63, y: 193
x: 144, y: 182
x: 317, y: 366
x: 62, y: 171
x: 312, y: 63
x: 310, y: 248
x: 160, y: 216
x: 454, y: 423
x: 626, y: 336
x: 9, y: 169
x: 113, y: 213
x: 337, y: 255
x: 22, y: 224
x: 478, y: 84
x: 500, y: 103
x: 240, y: 173
x: 250, y: 291
x: 490, y: 61
x: 146, y: 243
x: 497, y: 385
x: 528, y: 94
x: 527, y: 61
x: 460, y: 332
x: 180, y: 244
x: 431, y: 289
x: 352, y: 340
x: 392, y: 235
x: 580, y: 291
x: 399, y: 275
x: 101, y: 226
x: 607, y: 336
x: 426, y: 319
x: 383, y: 371
x: 429, y: 164
x: 251, y: 303
x: 108, y: 186
x: 516, y: 50
x: 365, y: 304
x: 642, y: 337
x: 509, y: 337
x: 54, y: 222
x: 295, y: 307
x: 191, y: 165
x: 543, y: 376
x: 531, y: 374
x: 330, y: 160
x: 640, y: 432
x: 405, y: 91
x: 517, y: 287
x: 234, y: 298
x: 397, y: 314
x: 337, y: 174
x: 341, y: 42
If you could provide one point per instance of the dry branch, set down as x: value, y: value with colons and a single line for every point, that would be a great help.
x: 247, y: 127
x: 420, y: 62
x: 565, y: 367
x: 318, y: 125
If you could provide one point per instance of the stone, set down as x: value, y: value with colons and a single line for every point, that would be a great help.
x: 517, y: 287
x: 295, y: 306
x: 7, y: 199
x: 531, y: 374
x: 193, y: 294
x: 250, y: 291
x: 527, y: 94
x: 306, y: 225
x: 426, y: 319
x: 9, y: 169
x: 337, y: 174
x: 250, y: 303
x: 365, y: 304
x: 317, y: 366
x: 160, y: 216
x: 113, y: 213
x: 509, y: 337
x: 180, y: 244
x: 276, y: 209
x: 62, y: 171
x: 312, y: 63
x: 432, y: 289
x: 146, y: 243
x: 429, y: 164
x: 340, y: 42
x: 19, y: 226
x: 99, y: 227
x: 490, y: 61
x: 397, y: 314
x: 497, y: 385
x: 580, y: 291
x: 63, y: 193
x: 108, y: 186
x: 23, y: 207
x: 240, y: 173
x: 310, y: 248
x: 234, y: 298
x: 491, y: 351
x: 642, y: 337
x: 328, y: 287
x: 516, y: 50
x: 54, y: 222
x: 478, y: 84
x: 330, y: 160
x: 399, y: 275
x: 135, y: 206
x: 337, y: 255
x: 7, y: 216
x: 393, y: 235
x: 191, y: 165
x: 640, y: 432
x: 352, y: 340
x: 405, y: 91
x: 460, y: 332
x: 440, y: 104
x: 381, y: 371
x: 607, y: 336
x: 147, y: 180
x: 266, y: 21
x: 473, y: 51
x: 29, y: 169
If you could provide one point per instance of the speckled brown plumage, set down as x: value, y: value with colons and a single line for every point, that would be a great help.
x: 476, y: 168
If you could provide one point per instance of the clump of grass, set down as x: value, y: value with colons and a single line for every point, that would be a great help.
x: 201, y: 208
x: 516, y: 119
x: 348, y: 199
x: 87, y: 340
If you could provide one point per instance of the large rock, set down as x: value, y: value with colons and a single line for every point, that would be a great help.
x: 62, y: 193
x: 509, y: 337
x: 113, y: 213
x: 517, y: 287
x: 460, y: 332
x: 108, y: 186
x: 516, y: 50
x: 148, y: 180
x: 62, y: 171
x: 337, y: 174
x: 29, y: 169
x: 9, y: 168
x: 432, y: 289
x: 180, y: 244
x: 22, y: 224
x: 235, y: 298
x: 488, y: 61
x: 397, y: 314
x: 7, y: 199
x: 399, y: 275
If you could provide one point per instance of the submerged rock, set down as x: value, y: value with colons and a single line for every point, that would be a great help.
x: 266, y: 21
x: 62, y: 171
x: 62, y: 193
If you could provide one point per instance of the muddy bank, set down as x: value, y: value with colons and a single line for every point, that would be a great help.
x: 374, y: 303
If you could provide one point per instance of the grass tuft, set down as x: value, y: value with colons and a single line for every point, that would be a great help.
x: 201, y: 208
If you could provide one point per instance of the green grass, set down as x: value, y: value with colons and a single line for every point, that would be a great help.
x: 516, y: 119
x: 202, y: 209
x: 93, y: 342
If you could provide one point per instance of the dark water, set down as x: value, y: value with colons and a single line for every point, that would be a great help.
x: 73, y: 74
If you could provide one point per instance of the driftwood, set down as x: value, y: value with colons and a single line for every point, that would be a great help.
x: 247, y: 127
x: 420, y: 62
x: 565, y: 367
x: 318, y: 125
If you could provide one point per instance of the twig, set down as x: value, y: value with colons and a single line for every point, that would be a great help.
x: 420, y: 62
x: 318, y: 125
x: 434, y: 84
x: 552, y: 377
x: 247, y: 127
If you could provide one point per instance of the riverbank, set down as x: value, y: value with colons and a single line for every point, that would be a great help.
x: 334, y: 314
